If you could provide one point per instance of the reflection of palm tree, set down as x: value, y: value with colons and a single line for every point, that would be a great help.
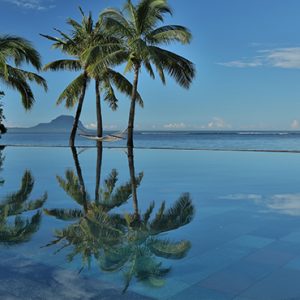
x: 136, y: 252
x: 14, y: 205
x: 94, y: 228
x: 122, y: 241
x: 1, y: 163
x: 107, y: 198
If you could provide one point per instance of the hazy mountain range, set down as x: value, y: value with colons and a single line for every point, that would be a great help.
x: 62, y: 124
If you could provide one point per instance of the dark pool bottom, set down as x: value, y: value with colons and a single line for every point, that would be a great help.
x: 229, y: 228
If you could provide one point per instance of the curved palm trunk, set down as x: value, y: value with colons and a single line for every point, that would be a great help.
x: 80, y: 177
x: 133, y: 183
x: 78, y: 113
x: 98, y: 170
x: 132, y: 107
x: 98, y: 109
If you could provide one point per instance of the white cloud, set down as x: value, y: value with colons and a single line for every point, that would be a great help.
x: 91, y: 126
x: 252, y: 197
x: 215, y: 123
x: 287, y: 58
x: 295, y: 124
x: 32, y: 4
x: 286, y: 204
x: 218, y: 123
x: 175, y: 125
x: 284, y: 58
x: 242, y: 64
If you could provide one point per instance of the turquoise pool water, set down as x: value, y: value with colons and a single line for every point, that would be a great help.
x: 230, y: 228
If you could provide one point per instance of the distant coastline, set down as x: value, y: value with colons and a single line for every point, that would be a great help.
x: 63, y: 124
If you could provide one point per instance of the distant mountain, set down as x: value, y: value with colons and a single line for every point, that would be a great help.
x: 62, y: 124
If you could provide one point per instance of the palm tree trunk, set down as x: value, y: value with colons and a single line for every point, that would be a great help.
x: 133, y: 183
x: 98, y: 170
x: 80, y: 178
x: 78, y: 113
x: 98, y: 109
x: 132, y: 106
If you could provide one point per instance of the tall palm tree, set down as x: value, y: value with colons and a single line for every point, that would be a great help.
x: 137, y: 26
x: 14, y: 205
x: 83, y: 36
x: 18, y: 51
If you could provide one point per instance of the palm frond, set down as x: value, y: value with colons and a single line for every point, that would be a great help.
x: 168, y: 249
x: 63, y: 64
x: 123, y: 85
x: 20, y: 50
x: 64, y: 214
x: 180, y: 214
x: 115, y: 198
x: 116, y: 23
x: 178, y: 67
x: 150, y: 12
x: 109, y: 95
x: 21, y: 231
x: 168, y: 34
x: 17, y: 82
x: 72, y: 187
x: 23, y: 193
x: 72, y: 92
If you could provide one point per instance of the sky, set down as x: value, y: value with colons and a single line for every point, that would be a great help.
x: 247, y: 57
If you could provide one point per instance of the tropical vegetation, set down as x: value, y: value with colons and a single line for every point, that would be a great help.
x: 135, y: 35
x: 137, y: 26
x: 15, y: 51
x: 86, y: 35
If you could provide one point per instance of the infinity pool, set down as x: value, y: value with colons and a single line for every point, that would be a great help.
x: 153, y: 224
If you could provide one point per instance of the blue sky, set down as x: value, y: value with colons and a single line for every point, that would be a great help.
x: 247, y: 55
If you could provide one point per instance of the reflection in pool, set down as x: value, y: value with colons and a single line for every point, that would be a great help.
x: 127, y: 242
x: 14, y: 228
x: 117, y: 226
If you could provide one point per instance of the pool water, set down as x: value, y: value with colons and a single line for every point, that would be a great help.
x: 149, y: 224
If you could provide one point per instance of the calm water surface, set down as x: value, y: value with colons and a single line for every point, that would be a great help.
x: 244, y: 140
x: 196, y: 224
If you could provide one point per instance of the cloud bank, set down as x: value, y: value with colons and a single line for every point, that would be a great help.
x: 284, y: 58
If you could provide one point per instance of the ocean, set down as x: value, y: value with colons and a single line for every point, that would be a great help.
x: 202, y: 140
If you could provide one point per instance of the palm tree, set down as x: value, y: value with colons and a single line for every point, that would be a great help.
x: 86, y: 35
x: 14, y: 205
x: 137, y: 27
x: 18, y: 51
